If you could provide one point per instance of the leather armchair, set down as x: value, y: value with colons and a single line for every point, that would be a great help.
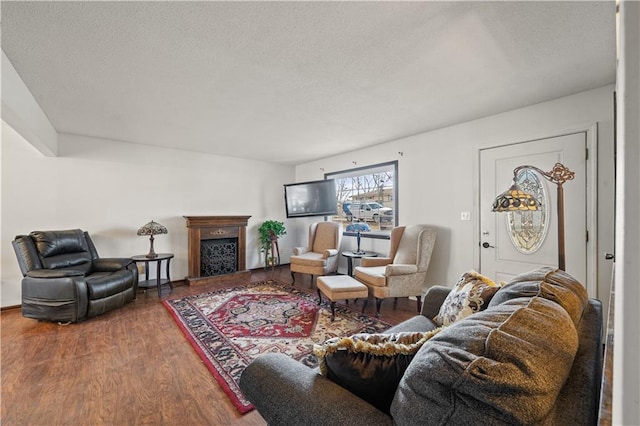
x: 403, y: 272
x: 66, y: 281
x: 320, y: 257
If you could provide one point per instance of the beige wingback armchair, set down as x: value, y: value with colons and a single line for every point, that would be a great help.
x: 320, y: 257
x: 403, y: 272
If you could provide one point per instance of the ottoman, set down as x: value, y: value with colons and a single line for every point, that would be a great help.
x: 339, y: 287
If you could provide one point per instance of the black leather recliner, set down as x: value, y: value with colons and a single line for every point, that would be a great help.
x: 66, y: 281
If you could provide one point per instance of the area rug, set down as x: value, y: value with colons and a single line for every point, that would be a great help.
x: 230, y: 327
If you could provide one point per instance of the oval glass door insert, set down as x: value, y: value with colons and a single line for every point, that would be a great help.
x: 528, y: 229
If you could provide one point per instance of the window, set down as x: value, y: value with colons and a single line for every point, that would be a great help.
x: 368, y: 194
x: 528, y: 229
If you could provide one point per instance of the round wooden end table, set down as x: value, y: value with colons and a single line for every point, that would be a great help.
x: 158, y: 282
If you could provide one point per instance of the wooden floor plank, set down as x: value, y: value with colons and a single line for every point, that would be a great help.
x: 131, y: 366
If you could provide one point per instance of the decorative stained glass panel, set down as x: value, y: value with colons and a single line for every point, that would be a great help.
x: 528, y: 229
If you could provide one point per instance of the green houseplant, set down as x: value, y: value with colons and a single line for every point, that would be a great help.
x: 270, y: 229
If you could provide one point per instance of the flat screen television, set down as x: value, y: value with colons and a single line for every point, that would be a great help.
x: 315, y: 198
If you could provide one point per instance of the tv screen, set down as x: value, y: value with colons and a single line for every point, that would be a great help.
x: 317, y: 198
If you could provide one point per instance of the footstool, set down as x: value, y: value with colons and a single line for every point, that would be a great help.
x: 339, y: 287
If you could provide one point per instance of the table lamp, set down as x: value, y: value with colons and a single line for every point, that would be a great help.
x: 357, y: 228
x: 152, y: 228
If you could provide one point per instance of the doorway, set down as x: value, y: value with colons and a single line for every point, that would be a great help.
x: 513, y: 243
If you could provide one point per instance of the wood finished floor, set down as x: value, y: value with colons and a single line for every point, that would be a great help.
x: 131, y: 366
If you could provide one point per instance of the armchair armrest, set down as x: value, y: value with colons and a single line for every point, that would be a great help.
x: 375, y: 261
x: 300, y: 250
x: 110, y: 264
x: 433, y: 299
x: 329, y: 253
x: 400, y: 269
x: 54, y: 273
x: 286, y: 392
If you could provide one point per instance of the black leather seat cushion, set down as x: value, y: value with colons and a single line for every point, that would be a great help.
x: 105, y: 284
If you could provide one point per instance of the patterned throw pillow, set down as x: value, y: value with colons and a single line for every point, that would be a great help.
x: 370, y: 365
x: 471, y: 294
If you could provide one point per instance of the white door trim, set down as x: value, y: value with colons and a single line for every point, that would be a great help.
x: 591, y: 131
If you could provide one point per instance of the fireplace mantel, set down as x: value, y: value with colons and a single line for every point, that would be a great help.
x: 204, y: 228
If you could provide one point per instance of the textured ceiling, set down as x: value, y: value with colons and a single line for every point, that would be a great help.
x: 291, y: 82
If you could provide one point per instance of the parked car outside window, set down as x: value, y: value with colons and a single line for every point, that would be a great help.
x: 369, y: 211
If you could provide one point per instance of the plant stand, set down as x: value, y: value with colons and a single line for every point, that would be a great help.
x: 274, y: 249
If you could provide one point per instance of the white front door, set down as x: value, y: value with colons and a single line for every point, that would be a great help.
x: 515, y: 243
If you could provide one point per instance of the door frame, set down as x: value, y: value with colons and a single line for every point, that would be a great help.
x: 591, y: 131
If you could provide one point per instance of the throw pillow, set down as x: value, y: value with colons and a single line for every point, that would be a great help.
x: 471, y: 294
x: 370, y: 365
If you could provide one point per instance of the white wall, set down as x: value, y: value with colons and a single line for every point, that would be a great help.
x: 112, y: 188
x: 626, y: 359
x: 434, y: 165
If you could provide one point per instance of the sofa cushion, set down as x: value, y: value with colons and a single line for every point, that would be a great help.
x: 62, y: 249
x: 370, y: 365
x: 105, y: 284
x: 471, y: 294
x: 373, y: 275
x: 548, y: 283
x: 52, y: 243
x: 504, y: 365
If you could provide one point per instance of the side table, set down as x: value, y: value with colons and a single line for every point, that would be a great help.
x: 158, y: 282
x: 350, y: 255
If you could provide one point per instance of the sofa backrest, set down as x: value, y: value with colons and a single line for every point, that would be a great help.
x: 415, y: 246
x: 54, y: 250
x: 547, y: 283
x: 325, y: 236
x: 529, y: 358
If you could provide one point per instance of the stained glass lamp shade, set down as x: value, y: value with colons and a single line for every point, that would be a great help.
x: 515, y: 199
x: 357, y: 228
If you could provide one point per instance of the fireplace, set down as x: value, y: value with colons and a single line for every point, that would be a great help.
x: 217, y: 248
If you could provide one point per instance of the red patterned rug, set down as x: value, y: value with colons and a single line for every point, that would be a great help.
x: 228, y: 328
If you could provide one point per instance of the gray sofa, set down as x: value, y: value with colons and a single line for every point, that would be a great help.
x: 533, y: 356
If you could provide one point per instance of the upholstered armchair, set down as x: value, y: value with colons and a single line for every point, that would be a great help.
x: 66, y: 281
x: 403, y: 272
x: 320, y: 257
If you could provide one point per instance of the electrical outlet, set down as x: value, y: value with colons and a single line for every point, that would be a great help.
x: 465, y: 216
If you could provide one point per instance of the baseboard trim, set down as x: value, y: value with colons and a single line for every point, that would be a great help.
x: 8, y: 308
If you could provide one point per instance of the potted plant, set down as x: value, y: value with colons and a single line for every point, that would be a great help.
x: 269, y: 232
